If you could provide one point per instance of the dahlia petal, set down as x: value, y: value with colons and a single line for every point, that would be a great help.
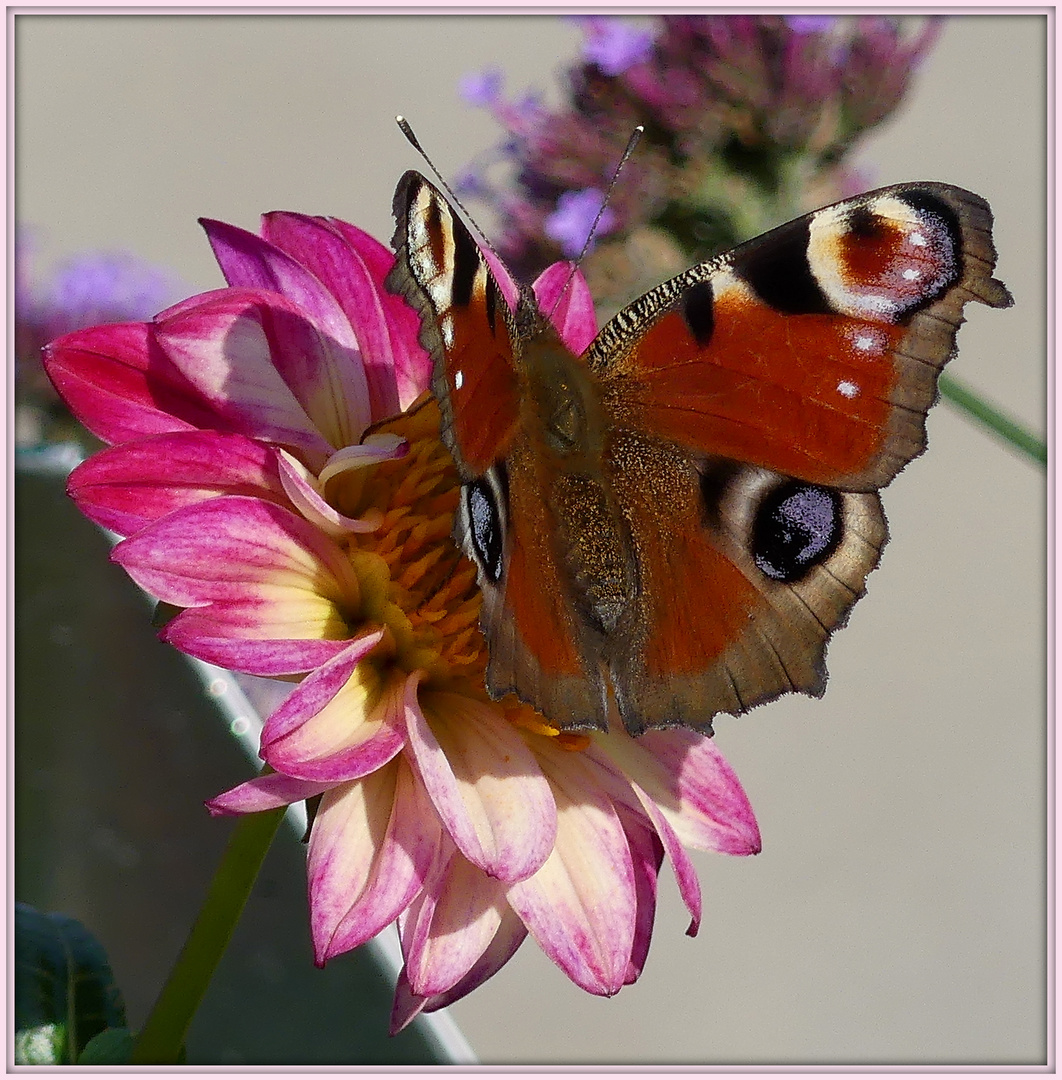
x: 246, y: 637
x: 571, y: 312
x: 485, y: 784
x: 647, y: 854
x: 120, y: 385
x: 372, y: 843
x: 687, y: 777
x: 352, y: 266
x: 582, y: 905
x: 268, y: 792
x: 232, y: 346
x: 451, y: 924
x: 312, y: 505
x: 508, y: 288
x: 127, y: 487
x: 639, y: 811
x: 235, y: 548
x: 406, y: 1006
x: 382, y: 446
x: 685, y: 874
x: 507, y: 939
x: 336, y: 725
x: 330, y: 381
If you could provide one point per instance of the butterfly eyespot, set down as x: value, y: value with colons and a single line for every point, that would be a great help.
x: 797, y: 527
x: 485, y: 529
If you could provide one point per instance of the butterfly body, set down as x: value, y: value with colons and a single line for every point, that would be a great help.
x: 674, y: 522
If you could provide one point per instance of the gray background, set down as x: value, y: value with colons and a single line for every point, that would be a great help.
x: 897, y: 911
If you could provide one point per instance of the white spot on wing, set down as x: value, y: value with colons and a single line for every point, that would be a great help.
x: 847, y: 389
x: 918, y: 239
x: 911, y: 275
x: 446, y: 325
x: 459, y: 379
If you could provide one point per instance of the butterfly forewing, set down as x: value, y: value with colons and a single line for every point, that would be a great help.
x: 466, y: 325
x: 813, y: 350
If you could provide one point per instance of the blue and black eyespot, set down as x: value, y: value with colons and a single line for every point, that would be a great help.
x: 796, y: 528
x: 486, y: 529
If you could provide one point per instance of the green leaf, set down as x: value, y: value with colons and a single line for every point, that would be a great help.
x: 110, y: 1047
x: 64, y: 989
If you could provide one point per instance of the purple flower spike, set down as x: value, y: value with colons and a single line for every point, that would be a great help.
x: 613, y: 45
x: 482, y: 89
x: 571, y: 222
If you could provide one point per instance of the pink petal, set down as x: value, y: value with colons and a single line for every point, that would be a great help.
x: 647, y: 854
x: 637, y: 808
x: 450, y: 925
x: 127, y: 487
x: 237, y: 348
x: 271, y: 589
x: 582, y: 905
x: 508, y: 938
x: 688, y: 778
x: 236, y: 548
x: 352, y: 266
x: 253, y: 637
x: 506, y: 286
x: 337, y: 726
x: 685, y: 874
x: 267, y: 792
x: 372, y: 843
x: 121, y: 386
x: 573, y: 315
x: 330, y: 382
x: 484, y: 782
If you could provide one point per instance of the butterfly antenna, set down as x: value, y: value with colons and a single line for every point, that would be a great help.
x: 403, y: 126
x: 632, y: 142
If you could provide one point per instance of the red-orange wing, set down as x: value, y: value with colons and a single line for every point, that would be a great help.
x: 815, y: 349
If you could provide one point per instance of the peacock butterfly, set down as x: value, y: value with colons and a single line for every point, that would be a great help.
x: 680, y: 518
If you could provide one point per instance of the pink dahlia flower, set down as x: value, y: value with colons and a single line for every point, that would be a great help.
x: 277, y: 470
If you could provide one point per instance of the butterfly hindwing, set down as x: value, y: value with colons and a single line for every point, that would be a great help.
x: 744, y: 575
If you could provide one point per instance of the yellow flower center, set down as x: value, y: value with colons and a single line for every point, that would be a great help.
x: 414, y: 580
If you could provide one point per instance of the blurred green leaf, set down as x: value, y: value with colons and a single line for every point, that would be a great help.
x: 64, y: 989
x: 995, y: 420
x: 110, y: 1047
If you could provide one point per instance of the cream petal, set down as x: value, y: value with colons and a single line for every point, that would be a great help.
x: 372, y: 843
x: 581, y: 906
x: 485, y: 783
x: 459, y: 913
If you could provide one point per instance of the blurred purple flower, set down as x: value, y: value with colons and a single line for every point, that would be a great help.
x: 97, y: 287
x: 571, y: 222
x: 83, y: 290
x: 749, y: 119
x: 470, y: 182
x: 613, y: 45
x: 810, y: 24
x: 482, y: 89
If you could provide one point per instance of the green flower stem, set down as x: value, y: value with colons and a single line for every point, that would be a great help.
x: 1002, y: 426
x: 162, y: 1037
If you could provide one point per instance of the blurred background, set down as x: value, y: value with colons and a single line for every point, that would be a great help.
x: 897, y: 911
